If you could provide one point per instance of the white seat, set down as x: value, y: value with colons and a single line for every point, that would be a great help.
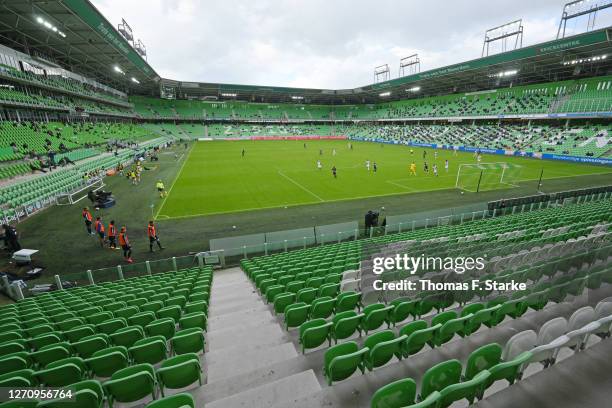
x: 581, y: 317
x: 579, y: 326
x: 547, y: 353
x: 603, y: 313
x: 351, y: 274
x: 350, y: 285
x: 519, y: 343
x: 579, y: 337
x: 551, y: 330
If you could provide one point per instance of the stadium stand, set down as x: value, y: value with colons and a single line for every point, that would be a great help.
x: 115, y: 342
x: 59, y: 83
x: 301, y: 327
x: 578, y: 140
x: 557, y: 251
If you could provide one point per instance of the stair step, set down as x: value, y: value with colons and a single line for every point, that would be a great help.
x: 231, y: 361
x: 246, y: 335
x: 283, y: 391
x: 250, y: 318
x: 238, y: 305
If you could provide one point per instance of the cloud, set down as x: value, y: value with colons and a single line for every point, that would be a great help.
x: 319, y: 43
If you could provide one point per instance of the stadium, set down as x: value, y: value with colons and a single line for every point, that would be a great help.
x: 436, y: 238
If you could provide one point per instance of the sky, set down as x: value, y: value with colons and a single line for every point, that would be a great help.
x: 333, y: 44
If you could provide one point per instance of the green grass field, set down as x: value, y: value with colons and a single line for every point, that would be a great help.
x: 215, y: 179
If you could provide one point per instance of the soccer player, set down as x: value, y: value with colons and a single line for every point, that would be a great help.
x: 320, y: 152
x: 125, y: 244
x: 161, y: 188
x: 87, y: 218
x: 479, y: 158
x: 152, y: 234
x: 99, y: 227
x: 367, y: 165
x: 424, y: 154
x: 413, y: 169
x: 319, y: 165
x: 425, y: 167
x: 374, y: 167
x: 112, y: 235
x: 446, y: 165
x: 435, y: 169
x: 333, y: 152
x: 334, y: 172
x: 243, y: 152
x: 411, y: 152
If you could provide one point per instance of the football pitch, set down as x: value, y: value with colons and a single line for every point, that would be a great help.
x: 214, y: 177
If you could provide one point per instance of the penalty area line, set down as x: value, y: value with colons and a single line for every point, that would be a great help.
x: 300, y: 186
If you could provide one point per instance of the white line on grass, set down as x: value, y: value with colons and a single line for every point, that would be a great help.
x: 174, y: 181
x: 300, y: 186
x: 401, y: 185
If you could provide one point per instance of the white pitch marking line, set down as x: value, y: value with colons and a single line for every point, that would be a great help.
x: 300, y: 186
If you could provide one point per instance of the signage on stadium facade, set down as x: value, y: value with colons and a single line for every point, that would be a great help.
x: 580, y: 40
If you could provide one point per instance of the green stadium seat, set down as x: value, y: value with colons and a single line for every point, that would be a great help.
x: 131, y: 384
x: 179, y: 372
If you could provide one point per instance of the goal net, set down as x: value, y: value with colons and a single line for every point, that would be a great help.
x: 73, y: 197
x: 487, y: 176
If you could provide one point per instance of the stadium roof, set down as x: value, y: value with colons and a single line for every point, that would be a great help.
x: 93, y: 47
x: 563, y: 59
x: 90, y: 46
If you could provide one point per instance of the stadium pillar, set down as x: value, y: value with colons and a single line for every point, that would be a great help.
x: 400, y: 227
x: 265, y: 248
x: 244, y: 252
x: 413, y: 225
x: 356, y: 234
x: 461, y: 221
x: 174, y: 264
x: 285, y: 244
x: 200, y: 260
x: 304, y: 242
x: 120, y: 272
x: 148, y: 266
x: 90, y: 277
x: 58, y: 282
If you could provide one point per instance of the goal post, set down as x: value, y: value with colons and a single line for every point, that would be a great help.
x: 73, y: 197
x: 487, y: 176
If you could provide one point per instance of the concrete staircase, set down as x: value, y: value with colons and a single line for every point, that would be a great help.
x: 251, y: 361
x: 244, y: 341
